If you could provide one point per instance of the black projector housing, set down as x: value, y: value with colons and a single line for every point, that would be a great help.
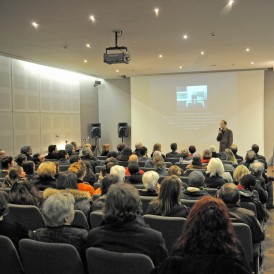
x: 111, y: 56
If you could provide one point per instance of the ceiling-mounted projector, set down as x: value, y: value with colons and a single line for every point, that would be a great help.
x: 117, y: 55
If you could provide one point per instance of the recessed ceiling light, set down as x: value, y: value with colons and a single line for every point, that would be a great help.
x: 35, y: 25
x: 231, y: 2
x: 156, y: 10
x: 185, y: 36
x: 92, y: 18
x: 85, y: 61
x: 88, y: 46
x: 202, y: 52
x: 160, y: 56
x: 247, y: 49
x: 117, y: 70
x: 252, y: 63
x: 180, y: 67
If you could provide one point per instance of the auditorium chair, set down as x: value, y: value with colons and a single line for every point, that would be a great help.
x: 141, y: 164
x: 138, y: 186
x: 27, y: 215
x: 123, y: 163
x: 161, y: 179
x: 63, y: 168
x: 251, y: 251
x: 170, y: 227
x: 49, y: 258
x: 9, y: 260
x: 97, y: 177
x: 80, y: 220
x: 188, y: 203
x: 102, y: 261
x: 172, y: 160
x: 1, y: 181
x: 98, y: 169
x: 168, y: 164
x: 148, y: 169
x: 101, y: 158
x: 96, y: 218
x: 184, y: 179
x: 182, y: 166
x: 146, y: 201
x: 211, y: 191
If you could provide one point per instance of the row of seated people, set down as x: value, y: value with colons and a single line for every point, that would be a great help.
x: 207, y: 238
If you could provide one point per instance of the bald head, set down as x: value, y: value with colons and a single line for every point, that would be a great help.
x: 133, y: 158
x: 229, y: 193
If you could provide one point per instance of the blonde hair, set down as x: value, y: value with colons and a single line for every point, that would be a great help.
x: 215, y: 167
x: 79, y: 169
x: 174, y: 170
x: 105, y: 147
x: 157, y: 146
x: 158, y: 161
x: 87, y: 145
x: 239, y: 172
x: 46, y: 169
x: 230, y: 157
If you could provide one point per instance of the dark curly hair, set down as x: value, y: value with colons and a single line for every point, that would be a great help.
x: 208, y: 230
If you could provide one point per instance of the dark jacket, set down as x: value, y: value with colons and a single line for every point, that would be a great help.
x: 135, y: 178
x: 144, y: 192
x: 202, y: 264
x: 52, y: 156
x: 45, y: 182
x: 99, y: 203
x: 193, y: 193
x: 172, y: 154
x: 130, y: 237
x: 177, y: 211
x: 214, y: 181
x: 226, y: 139
x: 243, y: 215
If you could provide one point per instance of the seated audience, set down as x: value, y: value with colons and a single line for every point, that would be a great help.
x: 113, y: 154
x: 20, y: 159
x: 70, y: 149
x: 124, y: 155
x: 120, y: 147
x: 107, y: 181
x: 249, y: 158
x: 88, y: 157
x: 214, y: 172
x: 159, y: 165
x: 29, y: 169
x: 195, y: 190
x: 63, y: 157
x: 239, y: 172
x: 24, y: 193
x: 109, y: 163
x: 6, y: 163
x: 79, y: 169
x: 184, y: 157
x: 118, y: 171
x: 150, y: 182
x: 192, y: 150
x: 143, y: 155
x: 124, y: 229
x: 52, y: 152
x: 234, y: 150
x: 175, y: 170
x: 168, y: 202
x: 173, y: 153
x: 76, y: 148
x: 14, y: 231
x: 14, y: 174
x: 213, y: 151
x: 196, y: 162
x: 207, y: 245
x: 46, y: 176
x: 27, y: 150
x: 230, y: 195
x: 227, y: 177
x: 149, y: 162
x: 256, y: 148
x: 105, y: 149
x: 133, y: 159
x: 135, y: 173
x: 257, y: 170
x: 138, y: 146
x: 58, y: 214
x: 157, y: 147
x: 38, y: 159
x: 230, y: 160
x: 206, y: 156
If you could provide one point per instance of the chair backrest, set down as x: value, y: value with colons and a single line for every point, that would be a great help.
x: 9, y: 260
x: 168, y: 164
x: 102, y: 158
x: 1, y: 181
x: 141, y: 164
x: 181, y: 165
x: 103, y: 261
x: 123, y: 163
x: 184, y: 179
x: 249, y: 205
x: 138, y: 186
x: 211, y: 191
x: 96, y: 218
x: 173, y: 160
x: 53, y: 258
x: 97, y: 177
x: 244, y: 236
x: 98, y: 169
x: 80, y: 219
x: 161, y: 179
x: 145, y: 202
x: 63, y: 168
x: 148, y: 169
x: 27, y: 215
x: 188, y: 203
x: 188, y: 171
x: 170, y: 227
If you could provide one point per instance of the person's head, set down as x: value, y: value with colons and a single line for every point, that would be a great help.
x: 206, y: 154
x: 157, y: 147
x: 20, y: 159
x: 150, y: 180
x: 123, y: 204
x: 67, y: 180
x: 196, y: 159
x: 87, y: 146
x: 156, y: 153
x: 208, y: 230
x: 46, y: 170
x: 133, y: 168
x: 107, y: 181
x: 112, y: 154
x: 2, y: 152
x: 248, y: 182
x: 52, y: 149
x: 118, y: 171
x: 256, y: 168
x: 143, y: 151
x: 169, y: 195
x: 138, y: 145
x: 105, y: 147
x: 230, y: 194
x: 62, y: 154
x: 174, y: 170
x: 192, y: 149
x: 15, y: 173
x: 196, y: 179
x: 212, y: 149
x: 4, y: 200
x: 74, y: 159
x: 230, y: 157
x: 250, y: 156
x: 29, y: 167
x: 6, y: 162
x: 234, y: 149
x: 120, y: 147
x: 86, y: 151
x: 227, y: 177
x: 27, y: 150
x: 58, y: 210
x: 239, y: 172
x: 125, y: 153
x: 79, y: 169
x: 215, y: 167
x: 69, y: 149
x: 133, y: 158
x: 109, y: 166
x: 38, y: 158
x: 173, y: 146
x: 184, y: 153
x: 158, y: 162
x: 255, y: 148
x: 223, y: 124
x: 74, y: 145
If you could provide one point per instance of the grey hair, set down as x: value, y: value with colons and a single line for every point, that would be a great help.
x: 87, y: 151
x: 227, y: 176
x: 150, y: 179
x: 69, y: 147
x: 256, y: 168
x: 57, y: 208
x: 119, y: 171
x: 138, y: 145
x: 212, y: 148
x: 215, y: 167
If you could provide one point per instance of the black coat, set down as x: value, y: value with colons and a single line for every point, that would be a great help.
x: 176, y: 211
x: 226, y: 139
x: 188, y: 194
x: 214, y: 181
x: 46, y: 182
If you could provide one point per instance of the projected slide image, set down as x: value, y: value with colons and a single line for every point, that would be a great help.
x: 191, y: 97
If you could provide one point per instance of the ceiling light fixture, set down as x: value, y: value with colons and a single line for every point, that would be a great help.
x: 85, y: 61
x: 160, y: 56
x: 231, y: 2
x: 252, y: 63
x: 185, y: 36
x: 92, y: 18
x: 247, y: 49
x: 180, y: 67
x: 88, y: 46
x: 202, y: 52
x: 156, y: 10
x: 35, y: 25
x: 117, y: 70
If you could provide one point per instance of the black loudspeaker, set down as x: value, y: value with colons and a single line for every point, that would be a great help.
x: 96, y: 130
x: 122, y: 130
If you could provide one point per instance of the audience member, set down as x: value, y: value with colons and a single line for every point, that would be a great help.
x: 159, y: 165
x: 118, y: 171
x: 213, y: 151
x: 138, y: 146
x: 20, y: 159
x: 249, y: 158
x: 185, y: 158
x: 234, y: 149
x: 135, y: 173
x: 105, y: 149
x: 173, y: 153
x: 120, y: 147
x: 150, y: 182
x: 149, y: 162
x: 256, y: 148
x: 63, y: 157
x: 196, y: 162
x: 227, y: 177
x: 124, y: 155
x: 168, y: 202
x: 14, y: 174
x: 113, y: 154
x: 27, y: 150
x: 230, y: 160
x: 29, y: 169
x: 70, y: 149
x: 175, y: 170
x: 192, y: 150
x: 133, y: 159
x: 143, y: 155
x: 52, y: 152
x: 157, y: 147
x: 239, y: 172
x: 214, y: 172
x: 46, y: 176
x: 208, y: 243
x: 230, y: 195
x: 257, y: 170
x: 76, y: 148
x: 195, y: 190
x: 6, y: 163
x: 38, y: 159
x: 206, y: 156
x: 124, y: 230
